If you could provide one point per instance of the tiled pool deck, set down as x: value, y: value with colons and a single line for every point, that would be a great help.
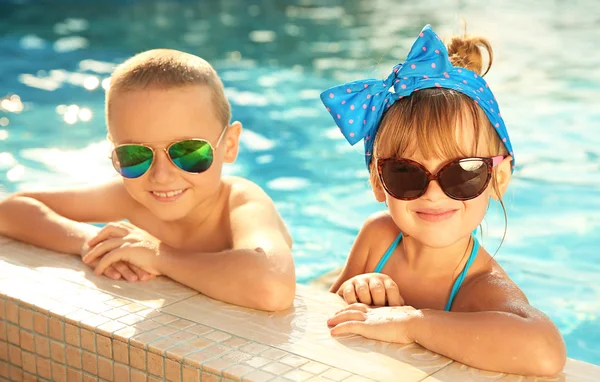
x: 59, y: 322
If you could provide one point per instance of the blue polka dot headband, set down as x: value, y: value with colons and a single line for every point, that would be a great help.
x: 357, y: 107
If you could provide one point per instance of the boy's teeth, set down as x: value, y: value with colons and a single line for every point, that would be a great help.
x: 167, y: 194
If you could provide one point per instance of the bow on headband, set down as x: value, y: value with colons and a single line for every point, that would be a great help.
x: 357, y: 107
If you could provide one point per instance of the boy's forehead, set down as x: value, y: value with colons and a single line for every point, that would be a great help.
x: 157, y: 115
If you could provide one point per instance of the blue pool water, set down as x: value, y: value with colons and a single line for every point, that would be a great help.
x: 275, y: 58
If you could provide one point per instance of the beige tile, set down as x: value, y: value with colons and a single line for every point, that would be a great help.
x: 109, y: 329
x: 152, y: 378
x: 273, y: 354
x: 172, y: 370
x: 121, y: 352
x: 13, y: 335
x: 199, y: 329
x: 237, y: 372
x: 298, y: 375
x: 336, y: 374
x: 90, y: 363
x: 89, y: 378
x: 163, y: 331
x: 138, y: 375
x: 134, y: 307
x: 72, y: 335
x: 15, y: 355
x: 121, y: 373
x: 218, y: 336
x: 257, y: 362
x: 26, y: 319
x: 237, y: 356
x: 116, y: 313
x: 313, y: 367
x: 74, y: 375
x: 294, y: 361
x: 59, y: 372
x: 190, y: 374
x: 124, y: 334
x: 183, y: 336
x: 131, y: 319
x: 40, y: 323
x: 208, y: 377
x: 277, y: 368
x: 142, y: 340
x: 200, y: 343
x: 75, y: 317
x: 12, y: 312
x: 42, y: 346
x: 104, y: 346
x: 74, y: 357
x: 257, y: 376
x: 160, y: 346
x: 198, y: 358
x: 16, y: 374
x: 57, y: 352
x: 27, y: 377
x: 181, y: 324
x: 178, y: 352
x: 4, y: 370
x: 357, y: 378
x: 137, y: 358
x: 147, y: 325
x: 164, y: 319
x: 3, y: 351
x: 94, y: 322
x: 105, y: 368
x: 29, y: 364
x: 117, y: 302
x: 27, y: 342
x: 44, y: 368
x: 254, y: 348
x: 88, y: 341
x: 2, y: 308
x: 3, y: 335
x: 156, y: 364
x: 56, y: 329
x: 217, y: 365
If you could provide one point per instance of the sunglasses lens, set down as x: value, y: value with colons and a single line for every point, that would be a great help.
x: 192, y: 155
x: 132, y: 161
x: 403, y: 180
x: 465, y: 179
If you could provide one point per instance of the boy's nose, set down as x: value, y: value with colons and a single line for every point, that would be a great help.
x: 163, y: 170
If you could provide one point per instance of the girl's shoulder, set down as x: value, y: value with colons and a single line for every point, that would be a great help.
x: 379, y: 232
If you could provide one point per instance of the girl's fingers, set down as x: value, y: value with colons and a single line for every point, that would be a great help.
x: 110, y: 230
x: 101, y: 249
x: 362, y: 291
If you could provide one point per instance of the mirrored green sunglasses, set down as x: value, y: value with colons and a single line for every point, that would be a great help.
x: 191, y: 155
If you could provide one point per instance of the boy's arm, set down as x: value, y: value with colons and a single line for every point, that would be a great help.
x: 258, y: 272
x: 54, y: 219
x: 493, y: 327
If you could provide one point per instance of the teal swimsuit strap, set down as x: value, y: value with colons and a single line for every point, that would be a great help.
x: 387, y: 254
x: 462, y: 275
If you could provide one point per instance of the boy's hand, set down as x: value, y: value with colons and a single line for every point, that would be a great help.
x: 119, y: 269
x: 375, y: 289
x: 123, y: 243
x: 390, y: 324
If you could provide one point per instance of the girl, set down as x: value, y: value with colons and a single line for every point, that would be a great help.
x: 437, y: 150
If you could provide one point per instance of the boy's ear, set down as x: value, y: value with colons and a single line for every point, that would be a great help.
x: 231, y: 142
x: 378, y: 190
x: 502, y: 176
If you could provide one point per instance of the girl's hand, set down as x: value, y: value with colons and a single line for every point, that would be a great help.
x: 124, y: 243
x: 390, y: 324
x: 119, y: 269
x: 374, y: 289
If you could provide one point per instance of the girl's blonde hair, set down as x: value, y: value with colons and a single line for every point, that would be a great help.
x: 427, y: 121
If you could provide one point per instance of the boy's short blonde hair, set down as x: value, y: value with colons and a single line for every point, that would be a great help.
x: 167, y: 69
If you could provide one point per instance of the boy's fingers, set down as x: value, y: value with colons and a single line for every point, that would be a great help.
x: 362, y: 291
x: 108, y: 260
x: 126, y: 271
x: 106, y: 233
x: 101, y: 249
x: 377, y: 291
x: 393, y: 293
x: 111, y: 273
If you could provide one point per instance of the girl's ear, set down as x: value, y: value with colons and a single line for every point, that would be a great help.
x: 378, y: 190
x: 502, y: 174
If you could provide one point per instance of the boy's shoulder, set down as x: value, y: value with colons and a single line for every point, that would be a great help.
x: 243, y: 191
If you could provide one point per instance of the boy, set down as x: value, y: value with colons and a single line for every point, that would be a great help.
x: 168, y: 120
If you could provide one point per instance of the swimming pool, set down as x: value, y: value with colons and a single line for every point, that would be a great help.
x: 275, y: 58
